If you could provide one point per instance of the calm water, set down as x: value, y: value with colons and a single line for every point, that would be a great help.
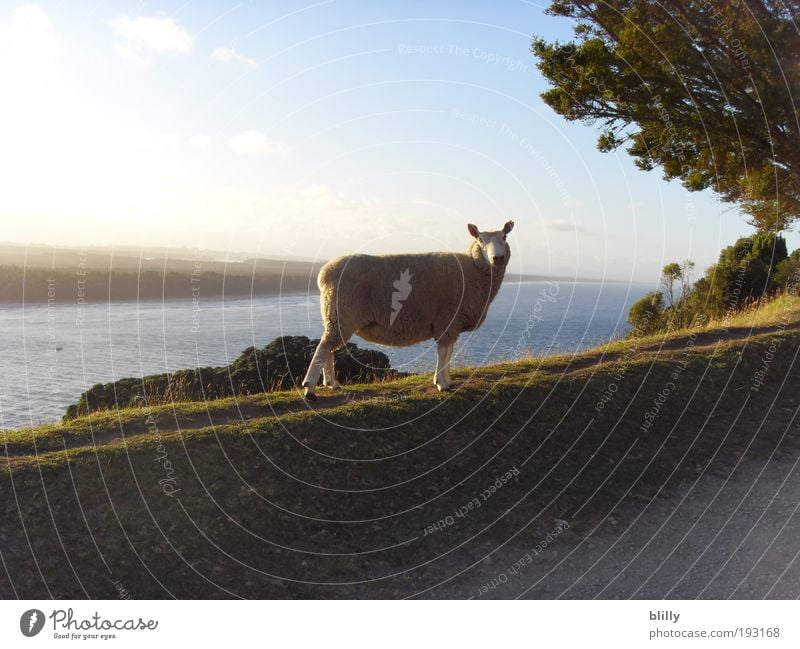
x: 50, y: 355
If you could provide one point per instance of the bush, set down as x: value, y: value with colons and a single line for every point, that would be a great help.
x: 787, y: 274
x: 646, y: 316
x: 751, y: 268
x: 746, y: 270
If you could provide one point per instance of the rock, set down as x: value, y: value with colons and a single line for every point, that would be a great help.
x: 280, y: 365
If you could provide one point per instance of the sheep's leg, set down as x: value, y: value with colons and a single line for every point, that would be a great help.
x: 448, y: 356
x: 329, y: 373
x: 315, y: 368
x: 440, y: 378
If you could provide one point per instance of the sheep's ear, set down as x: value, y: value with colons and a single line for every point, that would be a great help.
x: 473, y: 230
x: 508, y: 227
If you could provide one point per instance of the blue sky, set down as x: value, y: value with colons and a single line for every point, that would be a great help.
x: 319, y: 129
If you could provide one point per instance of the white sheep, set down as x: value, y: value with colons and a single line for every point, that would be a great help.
x: 401, y: 300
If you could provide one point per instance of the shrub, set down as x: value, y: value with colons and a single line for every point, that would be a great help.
x: 746, y: 270
x: 646, y: 316
x: 787, y: 274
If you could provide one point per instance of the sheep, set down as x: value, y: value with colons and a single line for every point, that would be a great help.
x: 400, y: 300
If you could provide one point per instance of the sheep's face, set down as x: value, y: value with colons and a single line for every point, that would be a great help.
x: 494, y: 248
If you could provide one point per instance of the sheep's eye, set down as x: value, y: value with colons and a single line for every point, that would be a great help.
x: 504, y: 237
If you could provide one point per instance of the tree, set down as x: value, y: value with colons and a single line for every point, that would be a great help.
x: 687, y: 270
x: 701, y: 89
x: 700, y: 303
x: 645, y: 315
x: 671, y: 273
x: 746, y: 270
x: 787, y: 273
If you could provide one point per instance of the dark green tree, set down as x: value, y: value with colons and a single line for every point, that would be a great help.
x: 746, y: 270
x: 707, y: 91
x: 700, y: 303
x: 787, y: 273
x: 646, y: 315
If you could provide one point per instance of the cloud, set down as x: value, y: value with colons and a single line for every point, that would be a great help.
x: 255, y: 143
x: 200, y: 142
x: 323, y: 200
x: 317, y: 197
x: 563, y: 225
x: 29, y: 29
x: 574, y: 203
x: 145, y: 37
x: 228, y: 55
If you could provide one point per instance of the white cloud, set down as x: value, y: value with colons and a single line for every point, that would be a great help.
x: 255, y: 143
x: 317, y: 197
x: 144, y: 37
x: 229, y: 55
x: 321, y: 199
x: 200, y: 142
x: 563, y: 225
x: 29, y: 29
x: 574, y: 203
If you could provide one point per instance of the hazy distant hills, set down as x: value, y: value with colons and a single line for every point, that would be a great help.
x: 36, y: 274
x: 39, y: 274
x: 158, y: 259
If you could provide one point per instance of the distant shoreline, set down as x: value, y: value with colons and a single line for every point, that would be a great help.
x: 218, y: 296
x: 521, y: 279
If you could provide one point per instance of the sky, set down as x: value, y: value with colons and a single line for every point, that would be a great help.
x: 316, y: 129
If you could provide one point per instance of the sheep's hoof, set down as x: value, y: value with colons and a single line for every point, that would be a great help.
x: 445, y: 388
x: 310, y: 396
x: 333, y: 386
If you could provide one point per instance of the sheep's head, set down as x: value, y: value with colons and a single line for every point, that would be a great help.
x: 494, y: 248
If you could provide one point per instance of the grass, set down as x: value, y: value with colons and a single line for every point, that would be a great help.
x: 266, y: 496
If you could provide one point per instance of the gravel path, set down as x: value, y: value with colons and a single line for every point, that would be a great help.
x: 710, y: 538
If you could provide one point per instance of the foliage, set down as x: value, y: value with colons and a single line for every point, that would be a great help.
x: 280, y: 365
x: 702, y: 90
x: 646, y: 316
x: 787, y: 273
x: 699, y: 305
x: 669, y: 275
x: 681, y: 273
x: 746, y: 270
x: 751, y: 268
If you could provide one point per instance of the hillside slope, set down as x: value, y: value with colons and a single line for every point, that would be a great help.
x: 395, y: 490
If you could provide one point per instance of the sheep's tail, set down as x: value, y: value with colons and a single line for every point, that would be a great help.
x: 328, y: 277
x: 327, y: 281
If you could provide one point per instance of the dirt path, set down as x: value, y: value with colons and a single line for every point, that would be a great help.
x: 717, y: 537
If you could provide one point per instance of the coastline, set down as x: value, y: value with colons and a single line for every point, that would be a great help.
x: 291, y: 290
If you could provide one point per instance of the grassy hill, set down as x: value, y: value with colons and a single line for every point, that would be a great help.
x: 387, y: 490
